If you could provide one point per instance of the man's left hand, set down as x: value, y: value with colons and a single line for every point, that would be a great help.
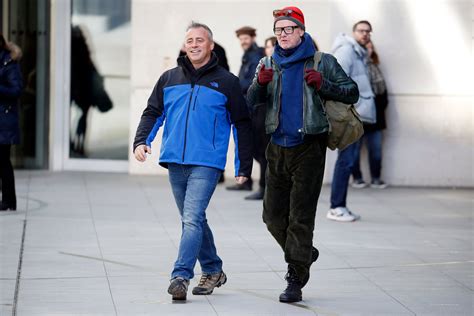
x: 313, y: 78
x: 241, y: 180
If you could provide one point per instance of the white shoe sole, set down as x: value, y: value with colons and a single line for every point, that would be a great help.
x: 341, y: 218
x: 359, y: 186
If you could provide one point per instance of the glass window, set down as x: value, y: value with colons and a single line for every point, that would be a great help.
x: 100, y: 79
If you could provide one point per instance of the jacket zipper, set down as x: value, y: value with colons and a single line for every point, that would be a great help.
x: 187, y: 117
x: 195, y: 99
x: 302, y: 129
x: 278, y: 95
x: 214, y: 135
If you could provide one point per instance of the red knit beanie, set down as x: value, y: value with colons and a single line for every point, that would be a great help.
x: 289, y: 13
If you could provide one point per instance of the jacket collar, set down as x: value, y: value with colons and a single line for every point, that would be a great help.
x: 298, y: 54
x: 361, y: 51
x: 191, y: 72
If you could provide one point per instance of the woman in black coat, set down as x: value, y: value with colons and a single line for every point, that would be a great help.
x: 10, y: 90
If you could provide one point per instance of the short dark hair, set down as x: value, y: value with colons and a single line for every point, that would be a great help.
x: 196, y: 25
x: 362, y: 22
x: 272, y: 39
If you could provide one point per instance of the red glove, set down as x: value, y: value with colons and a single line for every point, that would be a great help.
x: 313, y: 78
x: 264, y: 76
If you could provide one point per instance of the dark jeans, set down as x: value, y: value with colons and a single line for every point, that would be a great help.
x: 342, y: 173
x: 294, y: 180
x: 373, y: 140
x: 7, y: 176
x: 260, y: 141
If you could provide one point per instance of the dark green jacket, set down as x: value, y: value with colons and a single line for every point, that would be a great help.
x: 336, y: 86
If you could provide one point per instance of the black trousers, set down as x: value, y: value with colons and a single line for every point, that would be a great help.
x: 294, y: 180
x: 260, y: 141
x: 7, y: 175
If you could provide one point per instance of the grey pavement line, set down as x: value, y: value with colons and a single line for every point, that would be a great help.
x: 377, y: 198
x: 212, y: 306
x: 28, y: 199
x: 18, y: 273
x: 271, y: 269
x: 84, y: 181
x: 316, y: 311
x: 441, y: 201
x: 386, y: 292
x: 20, y: 259
x: 372, y: 282
x: 63, y: 278
x: 109, y: 261
x: 248, y: 244
x: 442, y: 272
x: 156, y: 215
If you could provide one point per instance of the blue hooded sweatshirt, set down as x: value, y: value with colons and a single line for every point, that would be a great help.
x: 291, y: 62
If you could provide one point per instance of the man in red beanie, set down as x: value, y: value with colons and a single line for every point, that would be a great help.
x: 295, y: 118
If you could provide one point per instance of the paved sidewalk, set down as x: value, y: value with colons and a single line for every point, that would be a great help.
x: 104, y: 244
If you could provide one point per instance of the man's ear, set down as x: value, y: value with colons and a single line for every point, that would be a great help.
x: 212, y: 46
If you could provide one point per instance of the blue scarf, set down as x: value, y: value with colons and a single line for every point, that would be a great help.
x: 291, y: 63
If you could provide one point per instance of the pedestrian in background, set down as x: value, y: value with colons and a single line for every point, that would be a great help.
x: 11, y: 85
x: 252, y: 54
x: 270, y: 45
x: 351, y: 53
x: 198, y: 101
x: 260, y: 137
x: 373, y: 132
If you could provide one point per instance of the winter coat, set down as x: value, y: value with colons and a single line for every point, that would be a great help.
x: 336, y: 86
x: 199, y: 107
x: 11, y: 85
x: 353, y: 59
x: 249, y: 63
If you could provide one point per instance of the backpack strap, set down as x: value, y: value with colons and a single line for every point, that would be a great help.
x: 267, y: 61
x: 317, y: 58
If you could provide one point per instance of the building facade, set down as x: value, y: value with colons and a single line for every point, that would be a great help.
x: 425, y: 47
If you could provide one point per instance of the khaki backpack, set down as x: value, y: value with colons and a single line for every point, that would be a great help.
x: 345, y: 125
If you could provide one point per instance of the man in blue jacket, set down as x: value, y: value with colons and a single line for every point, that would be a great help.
x: 295, y: 118
x: 199, y: 101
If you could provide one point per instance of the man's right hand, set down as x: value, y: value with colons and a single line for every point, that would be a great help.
x: 141, y: 151
x: 264, y: 76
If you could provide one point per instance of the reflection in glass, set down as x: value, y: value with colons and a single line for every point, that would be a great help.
x: 100, y: 79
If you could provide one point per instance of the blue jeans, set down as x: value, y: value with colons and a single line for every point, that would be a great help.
x: 193, y: 187
x: 373, y: 141
x: 342, y: 173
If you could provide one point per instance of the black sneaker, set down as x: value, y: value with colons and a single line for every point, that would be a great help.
x: 178, y: 289
x: 378, y: 184
x: 256, y: 196
x: 246, y: 186
x: 7, y: 207
x: 208, y: 282
x: 292, y: 293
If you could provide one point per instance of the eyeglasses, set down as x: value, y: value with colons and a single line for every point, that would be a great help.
x: 364, y: 31
x: 287, y: 29
x: 287, y: 12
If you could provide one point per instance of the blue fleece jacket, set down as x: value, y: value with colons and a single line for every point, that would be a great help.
x: 291, y: 62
